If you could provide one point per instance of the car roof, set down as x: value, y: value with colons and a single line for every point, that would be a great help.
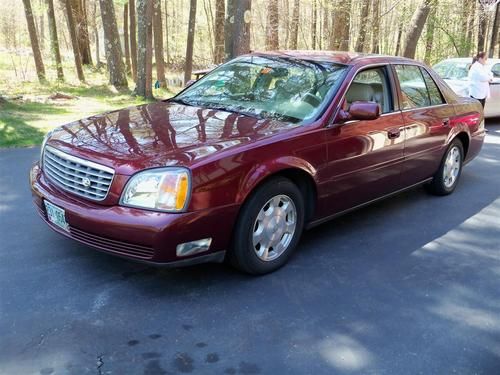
x: 349, y: 58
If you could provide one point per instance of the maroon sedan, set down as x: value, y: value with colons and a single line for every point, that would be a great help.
x: 240, y: 162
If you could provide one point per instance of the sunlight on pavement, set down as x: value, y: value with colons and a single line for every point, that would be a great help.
x: 345, y: 353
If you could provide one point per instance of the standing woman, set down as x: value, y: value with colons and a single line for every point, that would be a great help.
x: 479, y: 78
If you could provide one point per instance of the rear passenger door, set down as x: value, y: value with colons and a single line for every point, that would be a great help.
x: 427, y: 117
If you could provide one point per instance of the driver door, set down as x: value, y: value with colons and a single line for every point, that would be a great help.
x: 364, y: 158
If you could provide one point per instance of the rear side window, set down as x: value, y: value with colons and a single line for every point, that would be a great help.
x: 413, y: 87
x: 434, y: 94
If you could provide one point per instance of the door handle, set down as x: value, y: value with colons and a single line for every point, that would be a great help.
x: 393, y: 133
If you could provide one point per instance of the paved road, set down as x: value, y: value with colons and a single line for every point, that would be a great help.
x: 407, y: 286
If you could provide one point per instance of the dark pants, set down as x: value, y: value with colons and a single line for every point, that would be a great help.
x: 482, y: 101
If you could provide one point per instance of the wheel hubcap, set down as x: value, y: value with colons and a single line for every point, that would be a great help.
x: 452, y: 167
x: 274, y: 227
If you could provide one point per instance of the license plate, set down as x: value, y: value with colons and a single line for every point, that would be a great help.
x: 56, y: 215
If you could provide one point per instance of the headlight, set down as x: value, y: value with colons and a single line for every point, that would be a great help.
x: 162, y: 189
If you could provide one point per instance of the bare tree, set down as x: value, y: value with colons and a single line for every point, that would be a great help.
x: 314, y: 24
x: 219, y: 31
x: 40, y: 69
x: 416, y: 26
x: 133, y: 39
x: 190, y: 41
x: 158, y: 42
x: 114, y: 54
x: 126, y: 39
x: 82, y: 33
x: 54, y: 41
x: 482, y: 28
x: 74, y: 40
x: 294, y: 33
x: 272, y: 26
x: 145, y: 48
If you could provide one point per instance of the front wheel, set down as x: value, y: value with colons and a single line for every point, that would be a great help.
x: 446, y: 178
x: 268, y: 228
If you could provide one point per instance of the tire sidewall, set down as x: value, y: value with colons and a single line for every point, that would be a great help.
x: 443, y: 187
x: 243, y: 251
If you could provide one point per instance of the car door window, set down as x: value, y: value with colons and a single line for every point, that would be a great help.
x: 435, y: 96
x: 371, y: 85
x: 495, y: 69
x: 413, y: 87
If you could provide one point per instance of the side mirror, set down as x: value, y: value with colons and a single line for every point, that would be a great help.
x: 360, y: 110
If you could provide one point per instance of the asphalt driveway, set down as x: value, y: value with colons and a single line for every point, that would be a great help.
x: 410, y: 285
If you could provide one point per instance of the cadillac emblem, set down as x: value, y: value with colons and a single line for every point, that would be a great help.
x: 86, y: 182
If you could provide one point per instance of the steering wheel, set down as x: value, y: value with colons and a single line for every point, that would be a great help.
x: 311, y: 99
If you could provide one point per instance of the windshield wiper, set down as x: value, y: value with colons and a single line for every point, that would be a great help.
x: 180, y: 101
x: 236, y: 110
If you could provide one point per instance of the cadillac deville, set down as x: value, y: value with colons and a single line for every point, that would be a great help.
x: 240, y: 162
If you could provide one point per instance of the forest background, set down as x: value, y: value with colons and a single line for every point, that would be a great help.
x: 61, y: 60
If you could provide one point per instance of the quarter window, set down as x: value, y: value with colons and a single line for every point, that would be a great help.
x: 434, y: 94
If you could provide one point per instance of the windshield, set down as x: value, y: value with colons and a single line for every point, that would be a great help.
x: 452, y: 70
x: 268, y: 87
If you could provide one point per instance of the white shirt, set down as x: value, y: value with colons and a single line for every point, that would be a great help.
x: 479, y: 81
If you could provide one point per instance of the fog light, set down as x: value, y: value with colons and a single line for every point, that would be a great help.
x: 193, y: 247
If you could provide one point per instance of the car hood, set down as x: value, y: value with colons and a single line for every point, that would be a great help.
x: 160, y: 134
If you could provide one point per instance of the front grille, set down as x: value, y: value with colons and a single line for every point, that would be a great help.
x: 78, y: 176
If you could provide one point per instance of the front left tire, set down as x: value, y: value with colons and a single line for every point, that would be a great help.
x: 269, y: 227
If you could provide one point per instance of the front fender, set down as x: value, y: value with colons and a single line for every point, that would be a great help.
x: 268, y: 168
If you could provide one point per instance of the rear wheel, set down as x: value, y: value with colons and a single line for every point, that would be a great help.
x: 446, y: 178
x: 268, y: 228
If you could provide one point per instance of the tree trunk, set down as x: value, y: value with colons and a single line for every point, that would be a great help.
x: 145, y: 48
x: 40, y: 69
x: 272, y: 26
x: 429, y: 36
x: 341, y: 19
x: 74, y: 41
x: 242, y: 18
x: 360, y: 42
x: 80, y: 17
x: 167, y: 48
x: 294, y: 32
x: 126, y: 40
x: 482, y: 25
x: 415, y: 28
x: 158, y: 41
x: 376, y: 26
x: 41, y: 28
x: 190, y: 42
x: 494, y: 32
x: 314, y: 24
x: 54, y: 41
x: 112, y: 46
x: 220, y: 13
x: 229, y: 30
x: 470, y: 26
x: 133, y: 39
x: 96, y: 35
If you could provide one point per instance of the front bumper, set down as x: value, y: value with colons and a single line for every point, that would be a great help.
x: 143, y: 235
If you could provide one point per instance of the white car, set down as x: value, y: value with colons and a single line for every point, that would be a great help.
x: 454, y: 72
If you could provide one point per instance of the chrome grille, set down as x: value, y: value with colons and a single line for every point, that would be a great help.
x: 78, y: 176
